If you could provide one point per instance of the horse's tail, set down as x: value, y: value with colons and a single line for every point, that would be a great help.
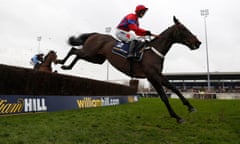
x: 80, y: 40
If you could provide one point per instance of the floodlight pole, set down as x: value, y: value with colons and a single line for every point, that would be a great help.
x: 108, y: 30
x: 205, y: 13
x: 39, y: 38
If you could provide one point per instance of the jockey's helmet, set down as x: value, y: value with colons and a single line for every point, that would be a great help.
x: 40, y: 54
x: 140, y: 8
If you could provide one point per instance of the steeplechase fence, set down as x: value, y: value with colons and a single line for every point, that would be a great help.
x: 25, y: 90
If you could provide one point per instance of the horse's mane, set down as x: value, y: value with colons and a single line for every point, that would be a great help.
x: 163, y: 33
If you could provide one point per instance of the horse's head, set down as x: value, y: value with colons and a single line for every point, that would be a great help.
x: 184, y: 36
x: 51, y: 56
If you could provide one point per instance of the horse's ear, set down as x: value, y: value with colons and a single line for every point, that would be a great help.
x: 175, y: 20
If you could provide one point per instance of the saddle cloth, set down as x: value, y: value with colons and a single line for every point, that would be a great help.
x: 122, y: 49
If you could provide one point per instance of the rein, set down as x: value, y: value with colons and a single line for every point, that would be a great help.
x: 155, y: 51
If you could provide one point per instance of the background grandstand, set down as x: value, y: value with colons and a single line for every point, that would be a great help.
x: 223, y: 85
x: 220, y: 81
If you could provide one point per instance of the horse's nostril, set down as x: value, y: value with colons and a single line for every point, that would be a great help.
x: 199, y: 43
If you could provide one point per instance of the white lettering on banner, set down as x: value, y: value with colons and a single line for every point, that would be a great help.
x: 27, y: 105
x: 135, y: 98
x: 106, y: 101
x: 34, y: 105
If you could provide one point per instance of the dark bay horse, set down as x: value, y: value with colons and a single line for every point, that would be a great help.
x: 46, y: 65
x: 96, y: 48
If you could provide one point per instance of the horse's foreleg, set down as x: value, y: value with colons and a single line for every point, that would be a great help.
x: 168, y: 85
x: 70, y: 66
x: 156, y: 82
x: 71, y: 52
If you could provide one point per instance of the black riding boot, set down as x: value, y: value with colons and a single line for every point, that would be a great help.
x: 131, y: 52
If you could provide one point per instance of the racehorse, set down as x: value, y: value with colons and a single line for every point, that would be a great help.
x: 46, y: 65
x: 96, y: 48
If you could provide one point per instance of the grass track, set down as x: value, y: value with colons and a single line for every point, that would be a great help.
x: 144, y: 122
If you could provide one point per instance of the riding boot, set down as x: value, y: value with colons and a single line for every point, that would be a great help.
x: 131, y: 52
x: 139, y: 46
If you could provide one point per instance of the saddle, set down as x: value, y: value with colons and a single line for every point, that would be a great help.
x: 122, y: 49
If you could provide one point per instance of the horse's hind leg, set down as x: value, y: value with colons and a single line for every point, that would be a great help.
x: 168, y: 85
x: 71, y: 52
x: 86, y: 55
x: 71, y: 65
x: 80, y: 54
x: 97, y: 59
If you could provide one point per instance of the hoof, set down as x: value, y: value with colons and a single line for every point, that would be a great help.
x: 59, y: 62
x: 180, y: 121
x: 65, y: 67
x: 192, y: 109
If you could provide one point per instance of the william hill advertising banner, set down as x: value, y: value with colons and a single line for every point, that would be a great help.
x: 16, y: 104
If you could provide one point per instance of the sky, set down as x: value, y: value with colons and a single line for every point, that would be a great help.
x: 22, y: 21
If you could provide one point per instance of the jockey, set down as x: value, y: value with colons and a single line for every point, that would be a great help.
x: 37, y: 59
x: 130, y: 23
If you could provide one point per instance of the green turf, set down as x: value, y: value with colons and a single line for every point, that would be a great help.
x: 144, y: 122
